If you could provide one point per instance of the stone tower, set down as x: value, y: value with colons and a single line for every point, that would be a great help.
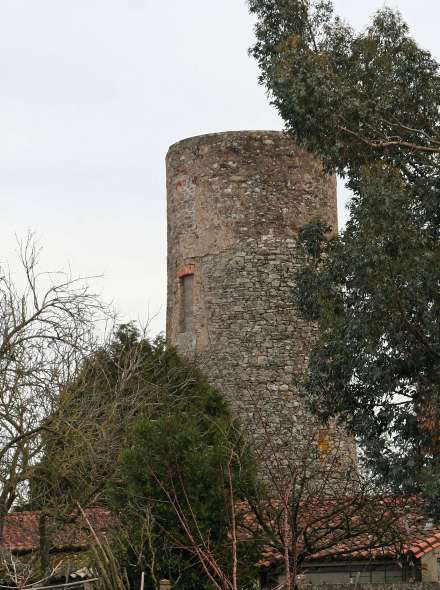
x: 236, y: 201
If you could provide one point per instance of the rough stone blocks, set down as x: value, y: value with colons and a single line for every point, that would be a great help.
x: 236, y: 201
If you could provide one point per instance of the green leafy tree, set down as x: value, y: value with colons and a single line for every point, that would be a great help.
x: 352, y: 98
x: 184, y: 473
x: 368, y: 104
x: 156, y: 433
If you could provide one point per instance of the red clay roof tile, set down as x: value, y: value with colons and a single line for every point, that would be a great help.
x: 21, y: 531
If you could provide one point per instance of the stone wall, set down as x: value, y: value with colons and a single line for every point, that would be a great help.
x: 236, y: 201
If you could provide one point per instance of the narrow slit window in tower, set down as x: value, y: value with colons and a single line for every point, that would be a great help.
x: 186, y: 318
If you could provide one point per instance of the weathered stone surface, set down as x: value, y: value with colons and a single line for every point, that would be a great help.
x: 235, y: 203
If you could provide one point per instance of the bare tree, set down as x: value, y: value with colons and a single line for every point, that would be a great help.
x: 21, y: 572
x: 316, y: 502
x: 47, y: 327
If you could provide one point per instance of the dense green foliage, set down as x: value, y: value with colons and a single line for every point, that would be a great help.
x: 352, y: 98
x: 368, y: 104
x: 157, y: 432
x: 176, y: 472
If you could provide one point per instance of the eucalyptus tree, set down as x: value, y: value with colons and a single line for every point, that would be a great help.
x: 368, y: 104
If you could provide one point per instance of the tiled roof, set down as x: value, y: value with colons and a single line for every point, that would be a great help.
x: 338, y: 529
x: 411, y: 535
x: 21, y: 531
x: 424, y: 545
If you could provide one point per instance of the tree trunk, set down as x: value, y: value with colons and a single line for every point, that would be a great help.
x: 44, y: 544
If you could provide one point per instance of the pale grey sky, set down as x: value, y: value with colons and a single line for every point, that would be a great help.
x: 94, y: 92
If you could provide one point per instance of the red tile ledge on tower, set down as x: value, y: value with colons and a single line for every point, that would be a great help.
x: 184, y: 271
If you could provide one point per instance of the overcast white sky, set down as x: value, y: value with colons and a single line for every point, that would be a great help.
x: 92, y: 94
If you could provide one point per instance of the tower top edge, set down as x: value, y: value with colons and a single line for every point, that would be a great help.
x: 237, y: 135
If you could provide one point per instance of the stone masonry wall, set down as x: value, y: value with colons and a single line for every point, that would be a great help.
x: 236, y: 201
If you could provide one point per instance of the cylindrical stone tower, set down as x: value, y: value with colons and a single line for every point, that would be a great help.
x: 236, y: 201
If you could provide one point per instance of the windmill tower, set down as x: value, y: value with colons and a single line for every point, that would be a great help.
x: 236, y: 201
